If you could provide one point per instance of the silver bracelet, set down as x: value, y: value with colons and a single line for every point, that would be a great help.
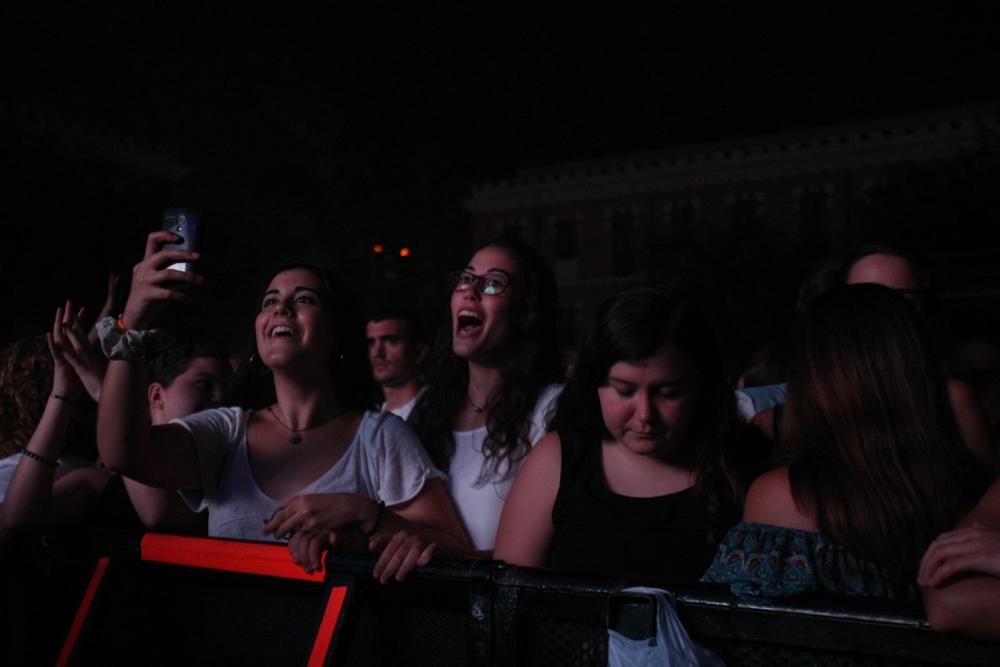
x: 129, y: 344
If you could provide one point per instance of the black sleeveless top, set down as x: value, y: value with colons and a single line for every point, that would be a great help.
x: 600, y: 532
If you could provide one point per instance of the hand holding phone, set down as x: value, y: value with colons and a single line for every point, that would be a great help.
x: 166, y: 272
x: 183, y: 222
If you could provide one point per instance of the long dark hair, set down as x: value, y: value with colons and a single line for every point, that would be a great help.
x: 252, y: 386
x: 874, y: 451
x: 531, y: 362
x: 634, y: 325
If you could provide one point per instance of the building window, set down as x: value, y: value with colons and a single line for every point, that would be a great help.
x: 566, y: 239
x: 622, y: 244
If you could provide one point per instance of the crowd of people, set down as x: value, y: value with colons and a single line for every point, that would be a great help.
x: 851, y: 460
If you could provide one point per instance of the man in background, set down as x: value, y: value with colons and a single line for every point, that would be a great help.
x: 397, y: 347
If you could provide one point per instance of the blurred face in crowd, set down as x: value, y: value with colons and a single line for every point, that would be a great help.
x: 648, y: 405
x: 481, y: 305
x: 293, y: 327
x: 196, y: 389
x: 395, y: 359
x: 889, y: 270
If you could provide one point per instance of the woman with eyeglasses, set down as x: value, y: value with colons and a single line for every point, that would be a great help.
x: 492, y: 380
x: 307, y: 459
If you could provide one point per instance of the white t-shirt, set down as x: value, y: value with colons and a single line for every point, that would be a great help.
x: 480, y: 501
x: 384, y: 461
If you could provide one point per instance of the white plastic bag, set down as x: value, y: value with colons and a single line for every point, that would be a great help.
x: 671, y: 646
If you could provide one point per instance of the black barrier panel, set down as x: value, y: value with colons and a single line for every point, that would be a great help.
x: 149, y: 613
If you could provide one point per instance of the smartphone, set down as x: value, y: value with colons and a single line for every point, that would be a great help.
x: 184, y: 222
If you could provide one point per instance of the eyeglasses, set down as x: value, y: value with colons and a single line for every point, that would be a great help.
x: 494, y: 283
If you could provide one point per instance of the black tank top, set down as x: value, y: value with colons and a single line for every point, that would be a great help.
x: 600, y: 532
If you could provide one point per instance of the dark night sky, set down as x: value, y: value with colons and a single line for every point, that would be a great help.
x: 383, y: 117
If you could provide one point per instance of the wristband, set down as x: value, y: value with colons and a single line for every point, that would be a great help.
x: 71, y: 401
x: 128, y: 344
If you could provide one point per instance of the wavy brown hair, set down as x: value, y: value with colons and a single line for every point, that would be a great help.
x: 531, y: 362
x: 25, y: 384
x: 874, y: 451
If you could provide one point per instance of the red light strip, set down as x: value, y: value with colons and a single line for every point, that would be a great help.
x: 81, y: 612
x: 334, y: 605
x: 271, y: 560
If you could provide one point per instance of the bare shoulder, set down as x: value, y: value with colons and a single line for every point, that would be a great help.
x: 770, y: 501
x: 545, y: 457
x: 987, y: 511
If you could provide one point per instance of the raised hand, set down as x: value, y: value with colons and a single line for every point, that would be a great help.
x: 154, y: 285
x: 77, y: 362
x: 65, y: 381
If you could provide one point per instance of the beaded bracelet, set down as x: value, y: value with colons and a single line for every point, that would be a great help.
x: 378, y: 519
x: 53, y: 463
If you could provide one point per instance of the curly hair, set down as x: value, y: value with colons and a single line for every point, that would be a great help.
x: 25, y: 385
x: 531, y: 361
x: 874, y: 451
x: 635, y: 325
x: 252, y: 386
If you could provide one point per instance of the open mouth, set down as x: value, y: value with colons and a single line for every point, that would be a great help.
x: 468, y: 322
x: 281, y: 331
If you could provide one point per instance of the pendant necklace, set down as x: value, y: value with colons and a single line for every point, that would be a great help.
x: 296, y: 436
x: 478, y: 409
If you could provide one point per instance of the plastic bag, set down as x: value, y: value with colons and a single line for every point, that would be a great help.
x: 671, y: 646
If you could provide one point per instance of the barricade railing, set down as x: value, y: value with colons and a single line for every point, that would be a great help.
x: 200, y: 601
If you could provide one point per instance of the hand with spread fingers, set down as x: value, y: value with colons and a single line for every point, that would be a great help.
x: 972, y: 549
x: 154, y: 284
x: 401, y: 552
x: 75, y: 367
x: 78, y: 363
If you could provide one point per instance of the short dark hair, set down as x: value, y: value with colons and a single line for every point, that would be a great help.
x: 415, y: 331
x: 169, y: 364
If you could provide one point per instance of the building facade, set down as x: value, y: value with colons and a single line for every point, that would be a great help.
x: 737, y: 218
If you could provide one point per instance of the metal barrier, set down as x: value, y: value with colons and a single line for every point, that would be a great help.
x: 154, y: 609
x: 490, y: 613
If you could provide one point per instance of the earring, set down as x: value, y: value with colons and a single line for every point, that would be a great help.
x: 256, y: 365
